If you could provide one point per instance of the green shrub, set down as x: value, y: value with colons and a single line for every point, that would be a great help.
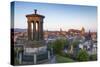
x: 82, y: 56
x: 93, y: 57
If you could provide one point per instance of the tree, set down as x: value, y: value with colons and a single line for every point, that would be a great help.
x: 58, y: 45
x: 49, y: 45
x: 82, y: 55
x: 75, y: 43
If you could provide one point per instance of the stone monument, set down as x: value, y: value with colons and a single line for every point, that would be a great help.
x: 35, y: 49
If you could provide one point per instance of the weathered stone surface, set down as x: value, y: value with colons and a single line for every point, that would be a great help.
x: 36, y: 21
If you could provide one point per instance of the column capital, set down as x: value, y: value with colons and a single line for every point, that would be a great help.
x: 29, y: 21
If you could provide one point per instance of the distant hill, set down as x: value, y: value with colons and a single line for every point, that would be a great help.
x: 19, y: 30
x: 25, y: 30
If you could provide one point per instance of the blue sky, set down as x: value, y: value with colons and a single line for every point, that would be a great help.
x: 57, y: 15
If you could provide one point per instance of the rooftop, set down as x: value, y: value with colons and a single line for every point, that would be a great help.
x: 35, y: 14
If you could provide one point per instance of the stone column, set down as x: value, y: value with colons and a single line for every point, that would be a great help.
x: 37, y: 30
x: 20, y: 58
x: 48, y: 55
x: 34, y: 31
x: 29, y: 30
x: 35, y: 58
x: 41, y: 30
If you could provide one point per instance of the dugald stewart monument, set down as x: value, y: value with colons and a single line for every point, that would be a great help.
x: 48, y: 33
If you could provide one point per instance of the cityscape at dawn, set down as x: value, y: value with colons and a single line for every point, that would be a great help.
x: 48, y: 33
x: 58, y: 16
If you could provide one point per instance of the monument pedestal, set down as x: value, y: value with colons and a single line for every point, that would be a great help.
x: 36, y: 50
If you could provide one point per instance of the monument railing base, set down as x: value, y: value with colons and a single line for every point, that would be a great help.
x: 35, y: 58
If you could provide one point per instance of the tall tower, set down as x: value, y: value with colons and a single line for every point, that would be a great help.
x: 82, y: 31
x: 32, y: 47
x: 36, y: 21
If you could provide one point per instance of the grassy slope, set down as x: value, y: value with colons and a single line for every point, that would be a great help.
x: 61, y: 59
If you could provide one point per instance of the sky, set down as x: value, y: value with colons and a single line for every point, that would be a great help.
x: 57, y: 16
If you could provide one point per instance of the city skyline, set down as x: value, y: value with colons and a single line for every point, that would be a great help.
x: 57, y: 16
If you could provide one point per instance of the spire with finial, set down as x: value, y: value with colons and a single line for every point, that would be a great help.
x: 60, y: 29
x: 82, y: 29
x: 35, y: 10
